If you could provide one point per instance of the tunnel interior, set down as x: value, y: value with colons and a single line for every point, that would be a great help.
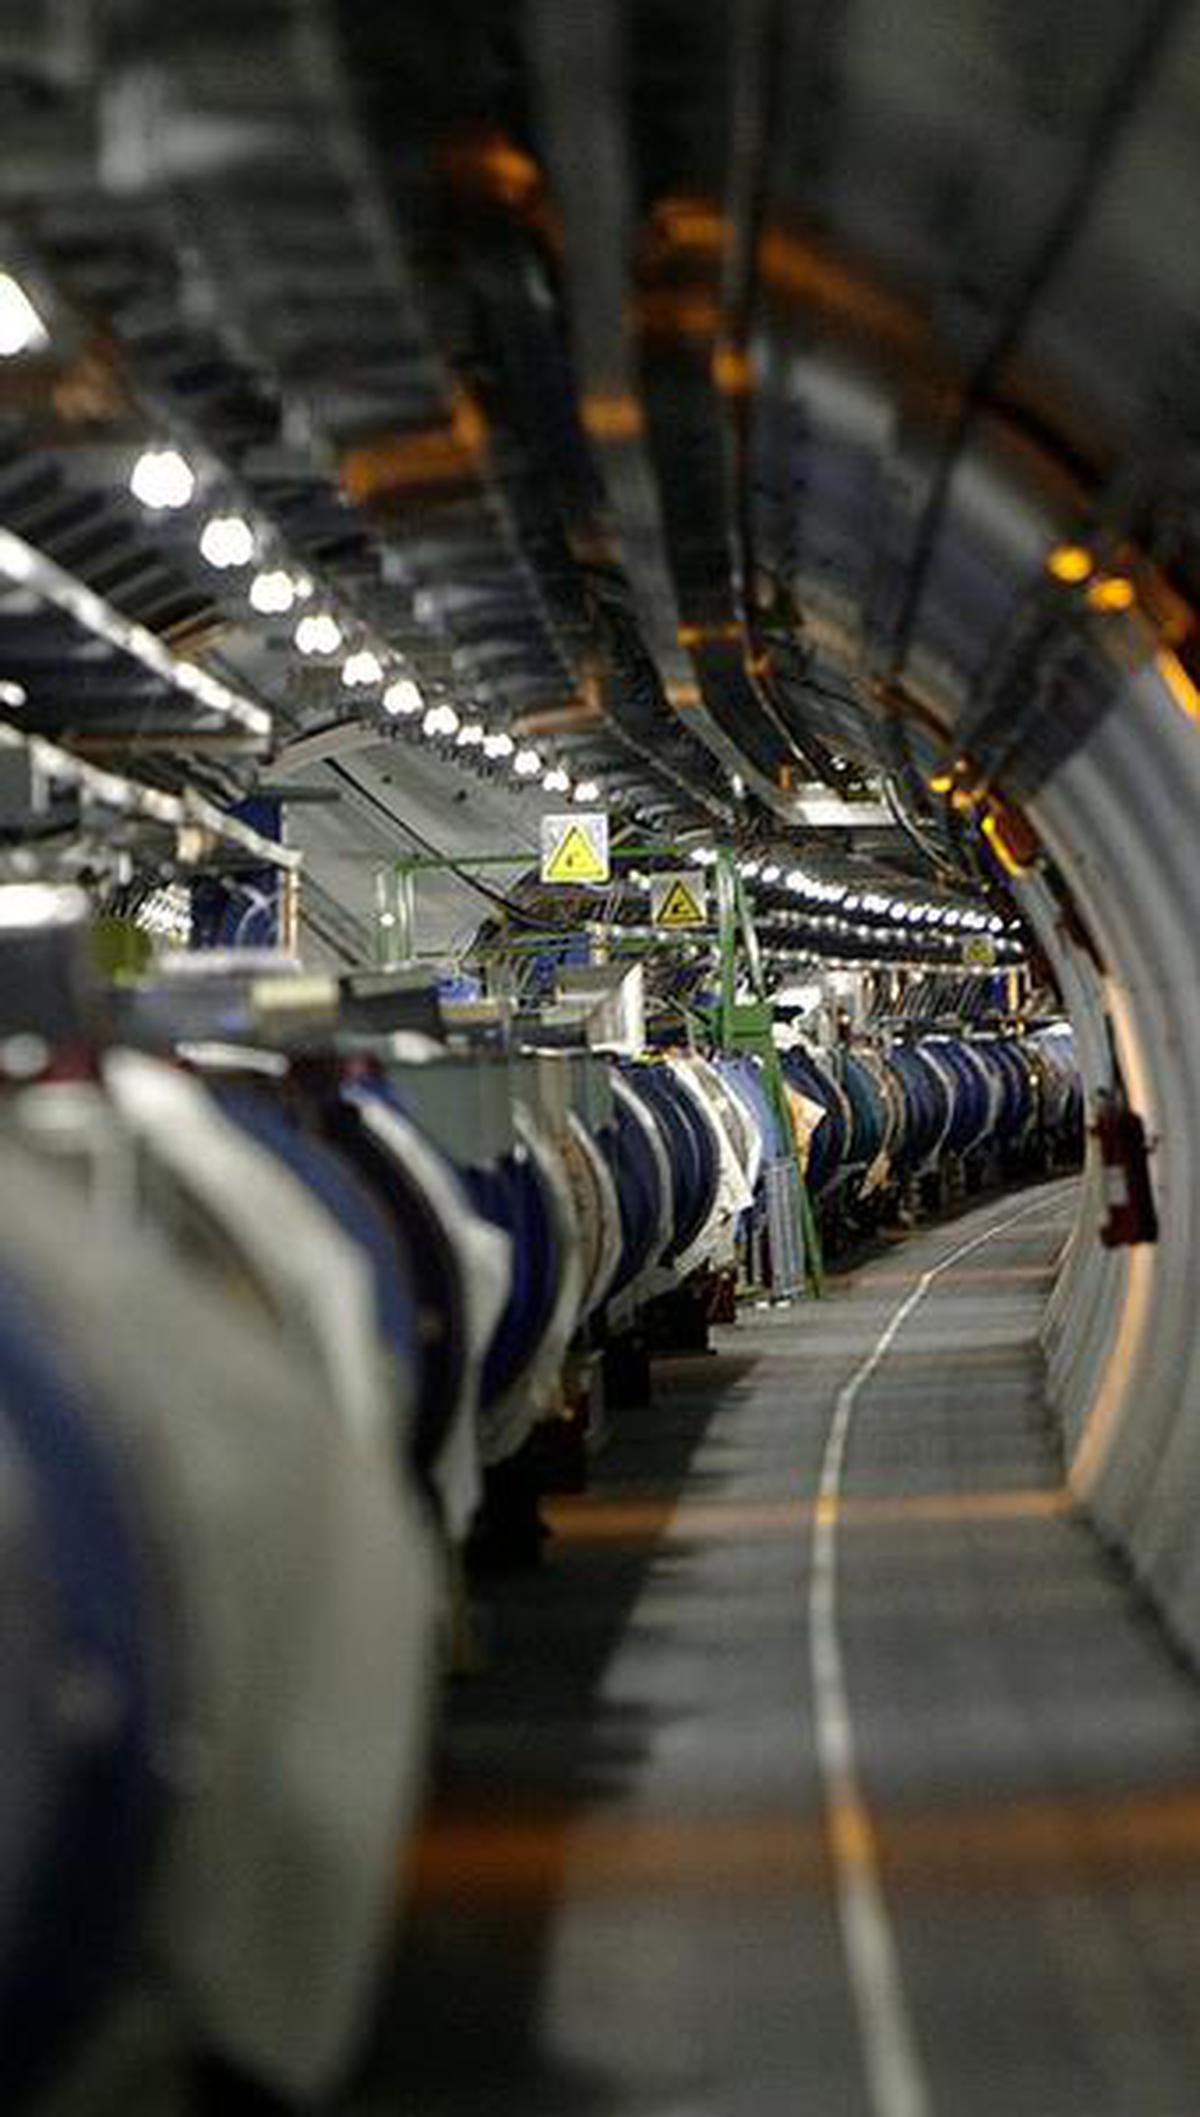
x: 775, y: 428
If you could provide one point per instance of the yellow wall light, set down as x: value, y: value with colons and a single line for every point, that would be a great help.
x: 1071, y: 564
x: 1111, y: 591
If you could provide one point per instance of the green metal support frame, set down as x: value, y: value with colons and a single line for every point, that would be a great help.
x: 749, y: 1026
x: 396, y: 888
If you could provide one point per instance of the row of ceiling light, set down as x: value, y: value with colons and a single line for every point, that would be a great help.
x: 790, y: 959
x: 162, y: 478
x: 403, y: 699
x: 845, y: 930
x: 873, y: 903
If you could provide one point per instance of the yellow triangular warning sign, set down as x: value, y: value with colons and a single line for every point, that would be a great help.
x: 576, y: 859
x: 679, y: 907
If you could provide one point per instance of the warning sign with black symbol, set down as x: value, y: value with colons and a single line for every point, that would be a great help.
x: 678, y: 900
x: 575, y: 848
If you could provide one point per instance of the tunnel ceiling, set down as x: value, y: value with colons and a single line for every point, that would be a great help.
x: 704, y: 395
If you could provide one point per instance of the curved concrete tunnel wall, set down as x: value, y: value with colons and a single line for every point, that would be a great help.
x: 1122, y: 1337
x: 1118, y: 817
x: 1089, y: 1293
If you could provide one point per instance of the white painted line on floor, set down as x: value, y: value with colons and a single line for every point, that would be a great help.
x: 895, y: 2075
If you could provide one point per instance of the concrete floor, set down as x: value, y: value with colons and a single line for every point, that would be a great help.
x: 652, y: 1885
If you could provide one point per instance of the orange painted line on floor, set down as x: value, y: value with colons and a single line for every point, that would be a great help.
x: 1041, y: 1840
x: 935, y: 1357
x: 1020, y: 1504
x: 602, y: 1521
x: 530, y: 1857
x: 633, y: 1521
x: 965, y: 1275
